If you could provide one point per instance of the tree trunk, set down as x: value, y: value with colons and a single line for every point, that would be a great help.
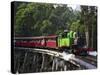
x: 92, y: 36
x: 87, y: 38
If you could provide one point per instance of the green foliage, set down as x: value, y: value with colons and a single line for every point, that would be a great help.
x: 76, y: 26
x: 46, y: 27
x: 33, y: 19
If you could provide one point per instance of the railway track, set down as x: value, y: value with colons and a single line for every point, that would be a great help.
x: 89, y: 59
x: 93, y: 58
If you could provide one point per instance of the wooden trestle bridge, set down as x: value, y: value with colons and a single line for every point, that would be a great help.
x: 30, y: 60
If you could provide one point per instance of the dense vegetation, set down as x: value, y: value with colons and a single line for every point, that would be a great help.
x: 35, y: 19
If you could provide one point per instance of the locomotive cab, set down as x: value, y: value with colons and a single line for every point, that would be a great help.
x: 64, y: 41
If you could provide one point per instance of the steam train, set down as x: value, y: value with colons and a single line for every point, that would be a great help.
x: 63, y: 42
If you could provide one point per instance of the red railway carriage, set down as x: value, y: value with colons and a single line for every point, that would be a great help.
x: 46, y: 42
x: 42, y: 41
x: 28, y: 41
x: 51, y: 41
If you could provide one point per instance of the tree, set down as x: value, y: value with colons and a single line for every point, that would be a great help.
x: 88, y: 18
x: 33, y: 19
